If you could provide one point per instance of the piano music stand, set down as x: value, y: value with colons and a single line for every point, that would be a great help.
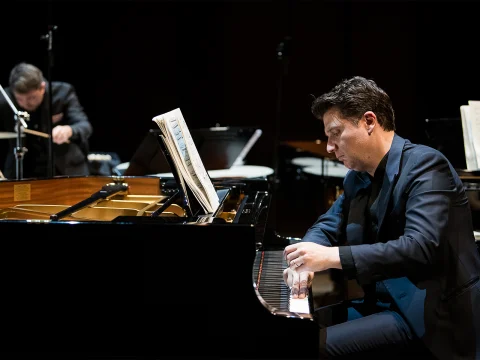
x: 192, y: 206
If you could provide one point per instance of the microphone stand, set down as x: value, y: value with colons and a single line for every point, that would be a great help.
x: 49, y: 38
x: 283, y: 57
x: 19, y: 150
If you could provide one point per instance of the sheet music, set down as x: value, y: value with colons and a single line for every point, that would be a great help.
x: 186, y: 158
x: 170, y: 150
x: 197, y: 165
x: 182, y: 156
x: 470, y: 154
x: 470, y: 115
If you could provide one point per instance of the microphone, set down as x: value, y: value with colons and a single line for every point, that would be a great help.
x: 283, y: 48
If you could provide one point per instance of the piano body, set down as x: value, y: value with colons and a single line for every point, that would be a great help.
x: 144, y: 275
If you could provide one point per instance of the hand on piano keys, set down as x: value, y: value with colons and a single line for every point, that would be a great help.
x: 271, y: 288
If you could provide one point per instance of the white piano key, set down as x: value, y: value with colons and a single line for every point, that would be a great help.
x: 300, y: 306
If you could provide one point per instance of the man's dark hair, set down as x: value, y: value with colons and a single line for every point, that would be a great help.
x: 352, y: 98
x: 25, y: 78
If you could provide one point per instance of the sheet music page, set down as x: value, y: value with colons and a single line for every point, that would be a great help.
x: 170, y: 149
x: 470, y: 156
x: 177, y: 152
x: 198, y: 169
x: 473, y: 121
x: 182, y: 158
x: 186, y: 157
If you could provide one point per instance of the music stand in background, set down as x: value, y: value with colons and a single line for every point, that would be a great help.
x: 219, y: 148
x: 20, y: 125
x: 49, y: 38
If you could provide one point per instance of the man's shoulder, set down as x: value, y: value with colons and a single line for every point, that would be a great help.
x: 414, y: 154
x: 420, y: 150
x: 61, y: 85
x: 62, y: 89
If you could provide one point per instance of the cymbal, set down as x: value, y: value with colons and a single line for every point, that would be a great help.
x: 317, y: 147
x: 8, y: 135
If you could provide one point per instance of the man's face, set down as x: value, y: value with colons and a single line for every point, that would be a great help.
x: 31, y: 100
x: 348, y: 141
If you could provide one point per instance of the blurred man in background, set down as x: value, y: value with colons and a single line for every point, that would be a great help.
x: 29, y: 91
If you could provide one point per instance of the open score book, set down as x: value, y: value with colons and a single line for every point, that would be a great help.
x: 470, y: 115
x: 186, y: 159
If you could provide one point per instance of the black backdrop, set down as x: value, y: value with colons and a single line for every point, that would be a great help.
x: 217, y: 61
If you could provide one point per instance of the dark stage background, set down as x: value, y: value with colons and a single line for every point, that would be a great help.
x: 218, y: 62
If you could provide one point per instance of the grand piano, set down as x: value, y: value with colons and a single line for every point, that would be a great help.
x: 122, y: 261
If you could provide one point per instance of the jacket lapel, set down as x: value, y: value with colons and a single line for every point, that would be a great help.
x: 391, y: 175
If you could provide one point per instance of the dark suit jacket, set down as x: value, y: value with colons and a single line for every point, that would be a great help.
x: 424, y: 252
x: 69, y: 159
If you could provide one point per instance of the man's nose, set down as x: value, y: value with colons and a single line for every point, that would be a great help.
x: 330, y: 148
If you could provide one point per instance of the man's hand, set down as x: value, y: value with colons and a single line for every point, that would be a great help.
x: 61, y: 134
x: 57, y: 117
x: 308, y: 256
x: 298, y: 282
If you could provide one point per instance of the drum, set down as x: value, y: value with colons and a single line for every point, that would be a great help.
x: 303, y: 162
x: 296, y: 165
x: 327, y: 168
x: 240, y: 172
x: 328, y: 175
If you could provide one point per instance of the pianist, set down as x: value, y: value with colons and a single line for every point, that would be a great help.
x: 402, y: 229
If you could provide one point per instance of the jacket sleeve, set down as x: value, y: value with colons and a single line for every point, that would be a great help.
x: 430, y: 196
x: 326, y: 230
x: 76, y: 117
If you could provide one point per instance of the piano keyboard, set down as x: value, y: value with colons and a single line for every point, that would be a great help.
x: 268, y: 278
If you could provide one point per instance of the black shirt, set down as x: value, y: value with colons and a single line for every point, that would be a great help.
x: 371, y: 220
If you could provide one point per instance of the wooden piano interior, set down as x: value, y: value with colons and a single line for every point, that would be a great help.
x: 38, y: 199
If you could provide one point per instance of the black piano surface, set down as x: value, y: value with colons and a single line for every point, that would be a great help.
x: 158, y: 286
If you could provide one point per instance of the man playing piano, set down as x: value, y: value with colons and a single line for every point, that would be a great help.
x: 402, y: 229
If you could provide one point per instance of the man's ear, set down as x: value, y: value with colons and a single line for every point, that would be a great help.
x: 370, y: 121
